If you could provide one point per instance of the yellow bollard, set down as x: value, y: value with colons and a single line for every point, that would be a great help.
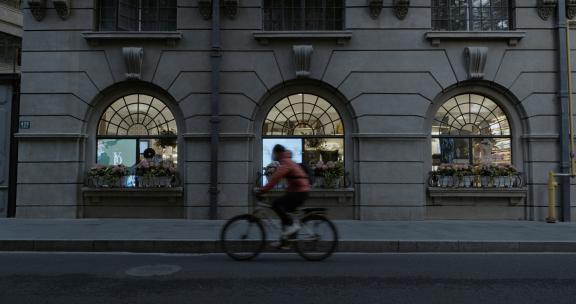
x: 551, y: 198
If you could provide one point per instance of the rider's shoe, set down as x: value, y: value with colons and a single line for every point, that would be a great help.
x: 290, y: 230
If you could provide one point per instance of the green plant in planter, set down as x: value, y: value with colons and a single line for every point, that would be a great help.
x: 107, y: 176
x: 333, y: 173
x: 505, y: 172
x: 155, y: 174
x: 464, y: 174
x: 167, y: 139
x: 446, y: 170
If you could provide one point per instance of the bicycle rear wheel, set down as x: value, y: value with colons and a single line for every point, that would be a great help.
x: 317, y: 239
x: 243, y: 237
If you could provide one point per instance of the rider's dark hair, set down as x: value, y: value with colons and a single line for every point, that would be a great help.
x: 278, y: 149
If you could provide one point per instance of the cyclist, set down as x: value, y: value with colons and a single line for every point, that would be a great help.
x: 296, y: 192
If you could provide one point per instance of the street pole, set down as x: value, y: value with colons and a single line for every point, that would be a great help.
x: 565, y: 159
x: 215, y: 61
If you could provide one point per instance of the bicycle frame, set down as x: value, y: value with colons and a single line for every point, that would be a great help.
x: 266, y: 214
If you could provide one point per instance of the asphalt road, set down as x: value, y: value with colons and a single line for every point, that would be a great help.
x: 275, y: 279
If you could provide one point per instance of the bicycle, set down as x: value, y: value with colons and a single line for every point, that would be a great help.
x: 245, y: 236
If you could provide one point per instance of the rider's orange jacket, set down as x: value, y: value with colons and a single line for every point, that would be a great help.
x: 296, y: 178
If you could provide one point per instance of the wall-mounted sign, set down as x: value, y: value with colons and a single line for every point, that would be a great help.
x: 24, y: 124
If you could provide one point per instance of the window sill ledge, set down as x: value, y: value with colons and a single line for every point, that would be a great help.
x: 264, y: 37
x: 132, y: 192
x: 515, y: 196
x: 97, y: 37
x: 512, y: 37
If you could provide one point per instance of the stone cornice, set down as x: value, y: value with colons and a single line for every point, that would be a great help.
x: 512, y: 37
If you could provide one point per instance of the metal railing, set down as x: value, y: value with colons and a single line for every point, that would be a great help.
x: 437, y: 180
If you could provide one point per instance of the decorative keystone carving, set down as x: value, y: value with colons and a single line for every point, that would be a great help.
x: 37, y: 8
x: 570, y: 9
x: 401, y: 8
x: 302, y: 57
x: 230, y: 8
x: 62, y: 8
x: 375, y: 7
x: 205, y: 8
x: 476, y: 57
x: 546, y: 8
x: 133, y: 57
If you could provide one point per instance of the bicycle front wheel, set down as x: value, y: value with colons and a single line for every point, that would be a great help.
x: 317, y: 239
x: 243, y: 237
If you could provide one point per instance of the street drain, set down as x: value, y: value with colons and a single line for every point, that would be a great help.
x: 153, y: 270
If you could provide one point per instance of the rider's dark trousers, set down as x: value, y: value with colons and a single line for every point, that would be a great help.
x: 288, y: 203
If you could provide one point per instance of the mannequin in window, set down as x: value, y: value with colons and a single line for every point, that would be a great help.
x: 485, y: 149
x: 151, y: 156
x: 447, y: 150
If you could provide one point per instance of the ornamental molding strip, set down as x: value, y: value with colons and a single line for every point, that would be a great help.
x: 570, y: 9
x: 133, y: 58
x: 302, y: 58
x: 230, y: 8
x: 401, y: 8
x: 476, y: 57
x: 38, y: 9
x: 375, y: 7
x: 62, y: 8
x: 546, y: 8
x: 205, y: 9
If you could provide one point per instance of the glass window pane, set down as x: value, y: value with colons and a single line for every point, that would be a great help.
x: 492, y: 151
x: 454, y: 150
x: 116, y: 152
x: 323, y: 149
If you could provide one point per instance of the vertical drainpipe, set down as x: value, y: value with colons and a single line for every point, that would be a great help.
x: 565, y: 158
x: 215, y: 60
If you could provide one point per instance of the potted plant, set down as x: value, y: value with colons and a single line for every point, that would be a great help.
x: 319, y: 168
x: 155, y: 175
x: 487, y: 174
x: 445, y: 173
x: 167, y: 139
x: 333, y: 174
x: 504, y: 174
x: 107, y: 176
x: 465, y: 175
x: 270, y: 169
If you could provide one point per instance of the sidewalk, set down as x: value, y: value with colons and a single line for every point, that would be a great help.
x: 193, y: 236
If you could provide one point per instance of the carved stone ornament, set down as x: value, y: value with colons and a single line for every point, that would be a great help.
x: 302, y: 58
x: 133, y: 57
x: 62, y: 8
x: 546, y: 8
x: 375, y: 7
x: 37, y: 8
x: 205, y: 8
x: 401, y: 8
x: 570, y: 9
x: 230, y: 8
x: 476, y: 57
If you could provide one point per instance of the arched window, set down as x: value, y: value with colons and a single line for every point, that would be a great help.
x: 132, y: 124
x: 306, y: 124
x: 471, y: 129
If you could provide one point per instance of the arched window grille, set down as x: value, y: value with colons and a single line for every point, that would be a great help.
x: 131, y: 125
x: 471, y: 129
x: 306, y: 124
